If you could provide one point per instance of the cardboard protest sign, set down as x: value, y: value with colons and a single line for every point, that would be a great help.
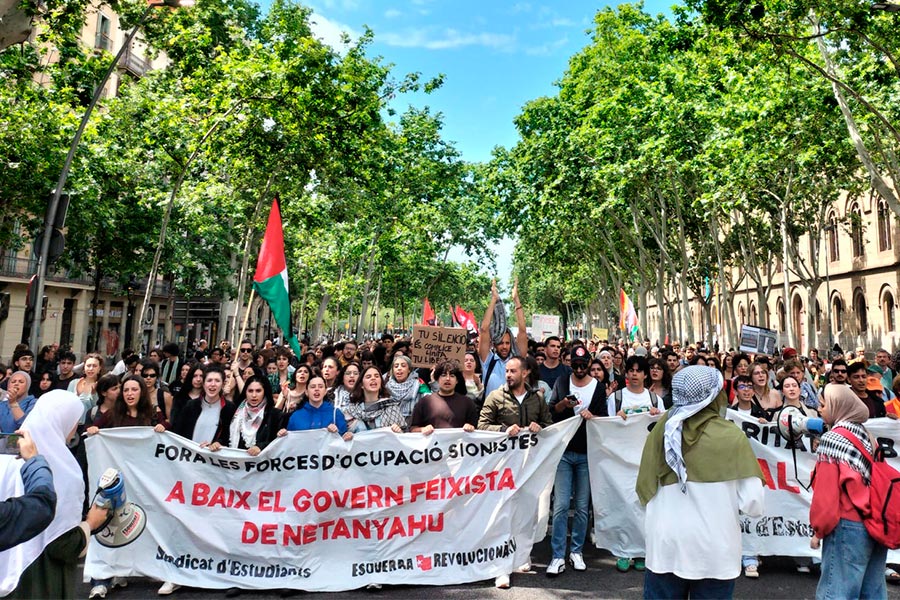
x: 758, y: 340
x: 431, y: 345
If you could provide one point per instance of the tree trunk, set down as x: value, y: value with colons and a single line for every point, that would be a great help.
x: 245, y: 261
x: 320, y: 316
x: 788, y: 321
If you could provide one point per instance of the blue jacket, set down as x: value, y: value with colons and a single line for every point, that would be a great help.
x: 23, y: 517
x: 309, y: 417
x: 7, y: 423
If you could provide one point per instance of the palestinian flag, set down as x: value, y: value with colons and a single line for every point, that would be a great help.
x: 271, y: 279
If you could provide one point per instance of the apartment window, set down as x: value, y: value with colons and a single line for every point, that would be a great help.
x: 887, y: 309
x: 884, y: 226
x: 104, y: 41
x: 837, y: 313
x: 859, y: 308
x: 834, y: 251
x: 856, y: 231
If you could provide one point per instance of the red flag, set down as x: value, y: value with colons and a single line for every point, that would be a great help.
x: 427, y: 314
x: 666, y: 343
x: 465, y: 319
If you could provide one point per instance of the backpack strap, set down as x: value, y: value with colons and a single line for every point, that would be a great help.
x: 618, y: 397
x: 484, y: 382
x: 855, y: 441
x: 654, y: 399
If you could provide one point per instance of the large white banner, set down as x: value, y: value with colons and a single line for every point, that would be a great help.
x: 614, y: 455
x: 316, y: 513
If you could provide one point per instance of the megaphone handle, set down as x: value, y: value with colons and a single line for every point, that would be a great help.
x: 794, y: 453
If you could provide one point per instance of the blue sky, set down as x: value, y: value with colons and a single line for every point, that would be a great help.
x: 496, y: 56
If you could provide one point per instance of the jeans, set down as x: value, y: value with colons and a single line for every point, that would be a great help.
x: 572, y: 471
x: 852, y: 563
x: 669, y: 585
x: 749, y: 560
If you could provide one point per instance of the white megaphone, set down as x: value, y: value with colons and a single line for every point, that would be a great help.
x: 793, y: 424
x: 126, y: 520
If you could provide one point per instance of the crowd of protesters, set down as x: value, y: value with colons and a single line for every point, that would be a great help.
x: 247, y: 397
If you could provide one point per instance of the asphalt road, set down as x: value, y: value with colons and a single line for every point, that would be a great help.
x: 778, y: 579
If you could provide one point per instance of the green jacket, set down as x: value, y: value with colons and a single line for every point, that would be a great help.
x: 501, y: 410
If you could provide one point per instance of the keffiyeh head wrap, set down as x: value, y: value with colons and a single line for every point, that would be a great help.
x: 693, y: 389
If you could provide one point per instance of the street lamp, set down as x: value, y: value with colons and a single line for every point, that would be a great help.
x: 53, y: 206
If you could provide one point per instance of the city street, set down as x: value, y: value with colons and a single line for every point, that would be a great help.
x: 778, y: 579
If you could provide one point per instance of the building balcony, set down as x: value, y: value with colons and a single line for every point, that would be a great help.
x: 16, y: 267
x: 134, y: 63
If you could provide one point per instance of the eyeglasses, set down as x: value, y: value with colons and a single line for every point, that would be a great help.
x: 745, y: 387
x: 246, y: 350
x: 148, y: 375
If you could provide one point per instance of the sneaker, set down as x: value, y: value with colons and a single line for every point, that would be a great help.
x: 751, y: 572
x: 639, y: 564
x: 803, y: 569
x: 501, y: 582
x: 118, y: 582
x: 526, y: 568
x: 577, y: 561
x: 556, y: 566
x: 623, y: 564
x: 98, y: 591
x: 167, y: 588
x: 373, y: 587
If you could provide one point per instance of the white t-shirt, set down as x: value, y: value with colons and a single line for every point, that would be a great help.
x: 697, y: 534
x: 583, y: 394
x: 632, y: 402
x: 520, y: 397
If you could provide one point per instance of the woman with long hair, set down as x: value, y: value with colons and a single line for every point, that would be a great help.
x: 768, y: 399
x: 256, y: 421
x: 86, y: 387
x: 108, y: 389
x: 330, y: 369
x: 728, y: 366
x: 132, y: 408
x: 853, y: 564
x: 191, y: 388
x: 471, y: 369
x: 292, y: 397
x: 371, y: 405
x: 660, y: 382
x: 347, y: 380
x: 46, y: 382
x: 403, y: 385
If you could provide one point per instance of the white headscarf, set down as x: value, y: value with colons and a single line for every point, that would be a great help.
x: 51, y: 420
x: 693, y: 389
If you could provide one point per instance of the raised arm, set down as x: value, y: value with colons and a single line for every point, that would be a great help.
x: 484, y: 332
x: 522, y: 335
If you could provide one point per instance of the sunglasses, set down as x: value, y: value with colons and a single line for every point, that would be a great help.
x: 246, y: 349
x: 148, y: 375
x: 836, y: 371
x: 745, y: 387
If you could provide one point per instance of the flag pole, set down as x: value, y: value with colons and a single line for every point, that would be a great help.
x: 246, y: 315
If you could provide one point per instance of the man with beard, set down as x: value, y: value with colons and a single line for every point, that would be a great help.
x: 513, y: 408
x: 583, y: 395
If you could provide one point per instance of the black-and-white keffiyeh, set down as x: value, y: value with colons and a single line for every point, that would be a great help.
x: 246, y: 423
x: 693, y: 388
x: 405, y: 393
x: 834, y: 447
x: 384, y: 413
